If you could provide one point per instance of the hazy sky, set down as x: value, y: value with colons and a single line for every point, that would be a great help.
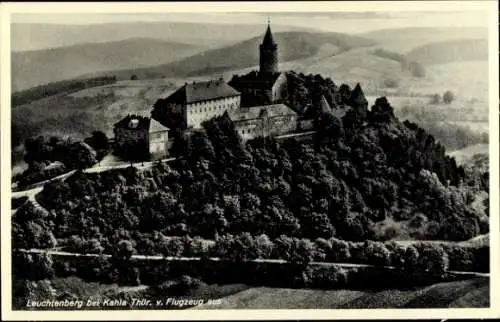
x: 347, y: 21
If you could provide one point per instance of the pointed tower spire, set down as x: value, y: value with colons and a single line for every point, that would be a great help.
x: 268, y: 37
x: 268, y: 52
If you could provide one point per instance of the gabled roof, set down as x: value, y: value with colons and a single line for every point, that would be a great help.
x: 133, y: 122
x: 155, y: 126
x: 357, y: 97
x: 202, y: 91
x: 324, y: 107
x: 249, y: 113
x: 138, y: 122
x: 255, y: 80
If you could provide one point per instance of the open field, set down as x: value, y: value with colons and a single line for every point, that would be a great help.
x: 78, y: 114
x: 468, y: 293
x: 464, y: 155
x: 403, y: 40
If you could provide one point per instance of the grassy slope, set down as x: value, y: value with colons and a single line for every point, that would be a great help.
x: 450, y: 51
x: 80, y: 113
x: 34, y: 36
x: 32, y: 68
x: 292, y: 46
x: 464, y: 155
x: 403, y: 40
x: 467, y: 293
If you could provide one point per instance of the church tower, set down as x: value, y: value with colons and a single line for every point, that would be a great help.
x: 268, y: 53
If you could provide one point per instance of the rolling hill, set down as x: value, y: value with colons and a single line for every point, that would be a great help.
x: 292, y: 46
x: 35, y: 36
x: 78, y: 114
x: 450, y: 51
x: 32, y: 68
x: 403, y: 40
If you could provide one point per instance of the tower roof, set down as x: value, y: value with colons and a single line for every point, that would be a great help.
x: 268, y: 37
x: 357, y: 97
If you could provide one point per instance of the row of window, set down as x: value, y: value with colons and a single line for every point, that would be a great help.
x: 248, y: 131
x: 205, y: 109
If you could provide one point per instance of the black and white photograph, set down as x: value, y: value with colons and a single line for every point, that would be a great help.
x: 253, y: 157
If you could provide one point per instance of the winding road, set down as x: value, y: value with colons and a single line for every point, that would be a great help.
x: 38, y: 187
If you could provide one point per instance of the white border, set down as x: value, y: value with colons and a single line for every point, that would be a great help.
x: 6, y: 9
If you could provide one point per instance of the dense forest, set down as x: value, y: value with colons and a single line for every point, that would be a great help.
x: 48, y: 157
x: 368, y: 176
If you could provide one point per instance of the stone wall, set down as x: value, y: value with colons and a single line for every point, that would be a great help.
x: 197, y: 113
x: 125, y: 136
x: 279, y: 90
x: 158, y: 144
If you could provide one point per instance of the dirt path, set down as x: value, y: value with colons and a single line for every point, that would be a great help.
x: 270, y: 261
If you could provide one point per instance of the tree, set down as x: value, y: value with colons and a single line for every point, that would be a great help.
x: 382, y: 111
x: 435, y: 99
x: 433, y: 259
x: 125, y: 249
x: 99, y: 141
x: 80, y: 156
x: 340, y: 251
x: 411, y: 259
x: 416, y: 69
x: 317, y: 225
x: 448, y: 97
x: 302, y: 252
x: 391, y: 83
x: 377, y: 254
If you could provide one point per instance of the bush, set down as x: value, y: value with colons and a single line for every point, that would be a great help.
x: 416, y: 69
x: 433, y: 259
x: 377, y: 254
x: 340, y: 251
x: 448, y: 97
x: 391, y: 83
x: 435, y: 99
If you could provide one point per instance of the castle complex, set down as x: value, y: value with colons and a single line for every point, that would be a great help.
x: 254, y: 103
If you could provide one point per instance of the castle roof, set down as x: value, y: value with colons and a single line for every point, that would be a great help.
x: 202, y: 91
x: 268, y: 38
x: 139, y: 122
x: 255, y: 80
x: 357, y: 97
x: 324, y: 107
x: 155, y: 126
x: 254, y: 112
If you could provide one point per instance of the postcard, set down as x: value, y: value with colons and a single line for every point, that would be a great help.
x: 258, y: 159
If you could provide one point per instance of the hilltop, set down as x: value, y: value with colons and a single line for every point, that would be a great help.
x: 403, y: 40
x: 450, y: 51
x: 32, y: 68
x: 292, y: 46
x: 36, y: 36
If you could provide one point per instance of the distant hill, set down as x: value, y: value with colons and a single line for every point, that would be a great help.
x: 450, y: 51
x: 403, y: 40
x: 32, y: 68
x: 292, y: 46
x: 35, y: 36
